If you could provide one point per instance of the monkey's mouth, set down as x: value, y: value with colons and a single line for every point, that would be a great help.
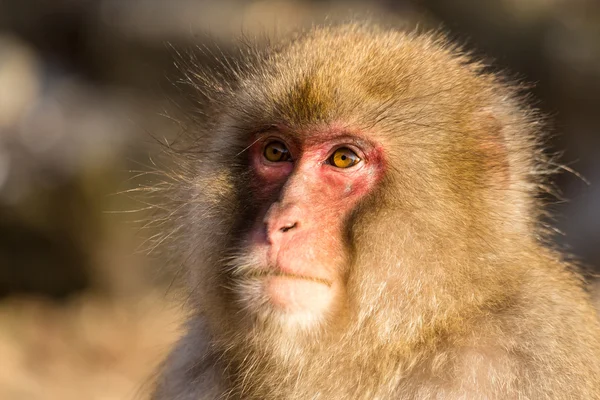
x: 264, y: 274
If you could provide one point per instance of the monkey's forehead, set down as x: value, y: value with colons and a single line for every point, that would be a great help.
x: 364, y: 76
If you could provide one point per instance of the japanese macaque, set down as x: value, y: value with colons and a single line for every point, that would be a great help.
x: 358, y: 215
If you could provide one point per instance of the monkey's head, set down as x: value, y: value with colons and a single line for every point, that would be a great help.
x: 354, y: 176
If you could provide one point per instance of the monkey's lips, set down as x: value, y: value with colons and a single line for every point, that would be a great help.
x: 293, y: 292
x: 262, y: 274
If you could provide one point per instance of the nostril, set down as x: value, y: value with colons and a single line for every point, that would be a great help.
x: 287, y: 227
x: 280, y: 219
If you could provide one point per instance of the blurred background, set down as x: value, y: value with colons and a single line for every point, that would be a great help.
x: 84, y: 85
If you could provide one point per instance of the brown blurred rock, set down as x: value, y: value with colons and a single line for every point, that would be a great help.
x: 89, y: 348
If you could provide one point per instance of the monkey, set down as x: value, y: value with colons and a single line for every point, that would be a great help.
x: 358, y: 214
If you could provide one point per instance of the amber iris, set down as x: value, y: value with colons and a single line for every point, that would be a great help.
x: 276, y: 151
x: 344, y: 158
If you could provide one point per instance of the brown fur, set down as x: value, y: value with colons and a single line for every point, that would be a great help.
x: 452, y: 292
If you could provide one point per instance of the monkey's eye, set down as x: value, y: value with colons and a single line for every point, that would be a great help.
x: 276, y: 151
x: 343, y: 158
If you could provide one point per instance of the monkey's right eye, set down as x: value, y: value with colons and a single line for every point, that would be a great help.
x: 276, y: 151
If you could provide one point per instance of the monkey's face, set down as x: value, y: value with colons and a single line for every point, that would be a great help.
x: 295, y: 259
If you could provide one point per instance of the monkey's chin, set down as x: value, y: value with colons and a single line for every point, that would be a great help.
x: 288, y: 301
x: 298, y: 295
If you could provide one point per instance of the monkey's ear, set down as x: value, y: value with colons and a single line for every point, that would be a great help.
x: 491, y: 142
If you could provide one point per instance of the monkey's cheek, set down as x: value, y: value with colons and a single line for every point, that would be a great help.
x: 299, y: 295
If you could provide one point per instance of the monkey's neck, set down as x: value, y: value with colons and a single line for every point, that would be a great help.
x: 357, y: 366
x: 362, y: 362
x: 369, y: 354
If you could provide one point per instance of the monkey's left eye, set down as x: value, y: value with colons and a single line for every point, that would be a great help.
x: 276, y: 151
x: 344, y: 158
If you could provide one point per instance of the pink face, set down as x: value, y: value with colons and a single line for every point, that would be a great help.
x: 309, y: 186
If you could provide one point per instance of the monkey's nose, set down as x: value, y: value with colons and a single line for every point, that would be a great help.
x: 280, y: 226
x: 288, y: 226
x: 280, y: 220
x: 278, y: 232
